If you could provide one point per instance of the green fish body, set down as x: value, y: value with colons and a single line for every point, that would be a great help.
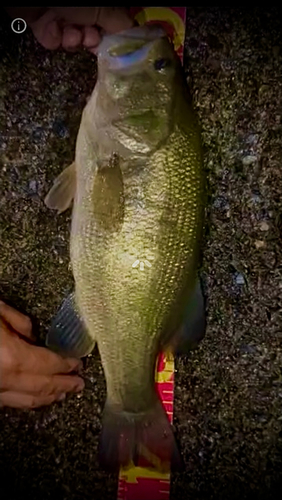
x: 138, y: 189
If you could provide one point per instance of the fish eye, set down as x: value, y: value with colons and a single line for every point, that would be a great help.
x: 161, y: 63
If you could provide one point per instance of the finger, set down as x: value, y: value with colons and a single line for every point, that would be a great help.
x: 26, y: 401
x: 43, y: 385
x: 40, y: 360
x: 85, y: 16
x: 18, y: 321
x: 93, y: 50
x: 47, y: 31
x: 114, y: 19
x: 91, y: 37
x: 72, y: 38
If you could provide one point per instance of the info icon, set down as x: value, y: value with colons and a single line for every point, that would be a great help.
x: 18, y: 25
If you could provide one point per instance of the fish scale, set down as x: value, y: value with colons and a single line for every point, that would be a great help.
x: 159, y: 304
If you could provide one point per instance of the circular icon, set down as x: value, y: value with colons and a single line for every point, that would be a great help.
x: 18, y: 25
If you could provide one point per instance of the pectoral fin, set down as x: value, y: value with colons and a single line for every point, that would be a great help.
x: 62, y: 192
x: 108, y: 195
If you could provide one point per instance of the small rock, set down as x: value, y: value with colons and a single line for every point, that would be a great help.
x: 264, y: 226
x: 89, y: 383
x: 38, y: 133
x: 60, y: 129
x: 228, y: 65
x: 239, y: 278
x: 261, y: 418
x: 249, y: 159
x: 14, y: 174
x: 32, y: 185
x: 264, y: 89
x: 221, y: 203
x: 248, y: 349
x: 259, y: 244
x: 252, y: 139
x: 256, y: 198
x: 213, y: 64
x: 3, y: 144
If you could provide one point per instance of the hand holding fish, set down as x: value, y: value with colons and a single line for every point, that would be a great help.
x: 31, y: 376
x: 72, y: 27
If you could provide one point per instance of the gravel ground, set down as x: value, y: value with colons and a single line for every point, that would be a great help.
x: 228, y: 394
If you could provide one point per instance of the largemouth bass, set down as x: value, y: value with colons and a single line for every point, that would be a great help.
x: 137, y: 187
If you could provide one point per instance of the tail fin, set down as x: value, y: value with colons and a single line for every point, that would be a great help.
x: 145, y: 440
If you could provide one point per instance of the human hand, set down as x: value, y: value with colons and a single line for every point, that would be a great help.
x: 31, y: 376
x: 73, y: 27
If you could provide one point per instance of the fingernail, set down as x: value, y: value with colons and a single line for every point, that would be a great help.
x: 79, y: 386
x: 75, y: 364
x: 61, y: 397
x: 53, y: 29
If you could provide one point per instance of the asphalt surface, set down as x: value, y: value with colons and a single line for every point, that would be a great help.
x: 228, y: 394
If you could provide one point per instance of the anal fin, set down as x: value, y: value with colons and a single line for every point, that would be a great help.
x: 193, y: 327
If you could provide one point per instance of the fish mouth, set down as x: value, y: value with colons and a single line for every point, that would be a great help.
x: 129, y: 47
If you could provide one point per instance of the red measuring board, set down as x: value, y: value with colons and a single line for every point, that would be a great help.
x: 173, y: 20
x: 140, y: 482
